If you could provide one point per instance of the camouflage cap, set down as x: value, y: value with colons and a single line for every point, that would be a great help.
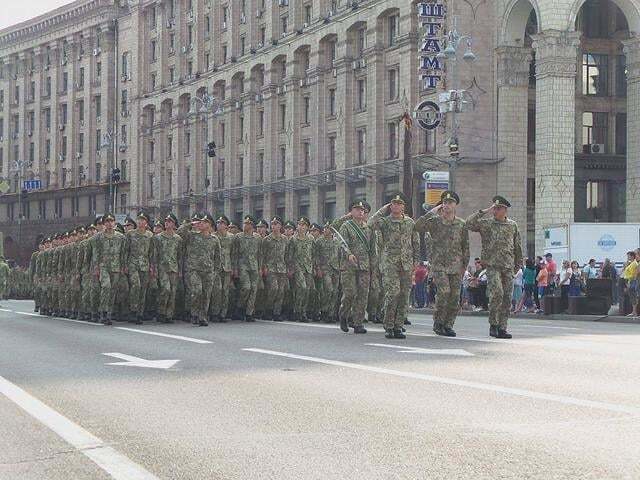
x: 144, y: 216
x: 277, y: 219
x: 449, y: 195
x: 398, y: 198
x: 249, y: 219
x: 172, y: 218
x: 223, y: 219
x: 262, y: 223
x: 358, y: 204
x: 108, y: 216
x: 500, y: 201
x: 130, y: 221
x: 304, y: 220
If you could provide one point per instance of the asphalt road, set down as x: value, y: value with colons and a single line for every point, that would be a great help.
x: 305, y: 401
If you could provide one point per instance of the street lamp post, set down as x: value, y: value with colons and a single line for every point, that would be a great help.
x: 19, y: 166
x: 108, y: 142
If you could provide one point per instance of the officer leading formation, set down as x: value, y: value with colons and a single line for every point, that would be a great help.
x: 353, y: 269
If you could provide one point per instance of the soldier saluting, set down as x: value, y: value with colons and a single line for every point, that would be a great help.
x: 502, y: 253
x: 138, y: 266
x: 449, y: 258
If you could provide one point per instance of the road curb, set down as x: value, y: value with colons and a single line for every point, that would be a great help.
x: 559, y: 317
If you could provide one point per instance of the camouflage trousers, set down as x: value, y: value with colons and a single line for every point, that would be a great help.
x: 303, y: 286
x: 86, y: 286
x: 72, y: 300
x: 248, y: 288
x: 374, y: 306
x: 276, y: 285
x: 397, y: 287
x: 138, y: 286
x: 499, y: 291
x: 327, y: 292
x: 109, y: 282
x: 355, y: 295
x: 199, y: 288
x: 220, y: 303
x: 447, y: 297
x: 168, y: 284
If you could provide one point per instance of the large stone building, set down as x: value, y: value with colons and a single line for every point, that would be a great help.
x: 308, y: 97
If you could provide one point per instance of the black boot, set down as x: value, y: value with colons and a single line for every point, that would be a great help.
x: 195, y: 320
x: 502, y: 333
x: 203, y: 323
x: 139, y: 318
x: 303, y: 318
x: 344, y: 325
x: 407, y: 322
x: 493, y: 331
x: 448, y: 332
x: 377, y: 319
x: 359, y: 329
x: 389, y: 333
x: 106, y: 318
x: 438, y: 329
x: 249, y: 318
x: 398, y: 334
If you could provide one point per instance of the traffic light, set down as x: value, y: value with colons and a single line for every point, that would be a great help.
x: 115, y: 175
x: 24, y: 195
x: 211, y: 149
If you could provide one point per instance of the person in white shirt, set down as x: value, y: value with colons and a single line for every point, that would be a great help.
x: 564, y: 280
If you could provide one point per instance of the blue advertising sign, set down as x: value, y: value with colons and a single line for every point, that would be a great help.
x: 31, y: 185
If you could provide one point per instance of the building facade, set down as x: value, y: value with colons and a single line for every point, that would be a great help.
x: 304, y: 100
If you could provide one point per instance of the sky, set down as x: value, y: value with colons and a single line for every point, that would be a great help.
x: 16, y: 11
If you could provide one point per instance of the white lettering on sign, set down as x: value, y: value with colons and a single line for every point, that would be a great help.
x: 431, y: 16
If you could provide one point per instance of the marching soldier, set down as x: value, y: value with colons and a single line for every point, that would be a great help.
x: 355, y: 277
x: 138, y: 266
x: 300, y: 266
x: 225, y: 285
x: 167, y: 262
x: 374, y: 306
x: 274, y: 268
x: 449, y: 258
x: 262, y: 228
x: 399, y: 253
x: 502, y: 253
x: 327, y: 268
x: 4, y: 277
x: 246, y: 247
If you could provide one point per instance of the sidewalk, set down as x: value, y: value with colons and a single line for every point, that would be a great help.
x: 613, y: 316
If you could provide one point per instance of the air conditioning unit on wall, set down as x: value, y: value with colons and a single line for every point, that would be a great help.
x: 596, y: 148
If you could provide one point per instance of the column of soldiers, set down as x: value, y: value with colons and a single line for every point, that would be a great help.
x: 356, y: 267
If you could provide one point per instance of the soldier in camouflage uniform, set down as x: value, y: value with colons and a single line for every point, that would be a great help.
x: 110, y: 249
x: 84, y: 267
x: 220, y: 310
x: 4, y: 277
x: 449, y: 258
x: 33, y: 276
x: 138, y: 266
x: 201, y: 257
x: 300, y: 267
x: 167, y: 262
x: 73, y: 274
x: 326, y: 251
x: 287, y: 302
x: 262, y: 229
x: 153, y: 289
x: 313, y: 300
x: 355, y: 276
x: 374, y: 306
x: 246, y: 248
x: 274, y: 268
x: 501, y: 253
x: 399, y: 253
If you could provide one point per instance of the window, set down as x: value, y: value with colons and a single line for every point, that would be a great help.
x: 621, y: 134
x: 243, y: 45
x: 392, y: 129
x: 42, y: 209
x: 81, y: 143
x: 124, y: 100
x: 169, y: 183
x: 240, y: 127
x: 596, y: 194
x: 151, y: 189
x: 361, y: 42
x: 152, y: 18
x: 47, y: 87
x: 263, y: 35
x: 308, y: 10
x: 125, y: 64
x: 361, y: 139
x: 32, y: 151
x: 260, y: 167
x: 58, y: 207
x: 221, y: 173
x: 63, y: 114
x: 282, y: 163
x: 47, y: 149
x: 80, y: 108
x: 98, y: 139
x: 429, y: 141
x: 152, y: 151
x: 47, y: 117
x: 123, y: 202
x: 153, y: 81
x: 65, y: 82
x: 394, y: 23
x: 169, y: 147
x: 332, y: 102
x: 153, y: 51
x: 222, y: 134
x: 240, y: 179
x: 260, y: 123
x: 225, y: 17
x: 123, y: 135
x: 621, y: 76
x: 331, y: 152
x: 207, y: 26
x: 224, y: 54
x: 207, y: 61
x: 63, y: 147
x: 595, y: 70
x: 307, y: 110
x: 16, y: 96
x: 361, y: 101
x: 187, y: 143
x: 98, y: 71
x: 81, y: 77
x: 306, y: 159
x: 32, y: 90
x: 283, y: 117
x: 594, y: 131
x: 394, y: 87
x: 172, y: 75
x: 190, y: 36
x: 98, y: 106
x: 1, y: 127
x: 284, y: 24
x: 531, y: 131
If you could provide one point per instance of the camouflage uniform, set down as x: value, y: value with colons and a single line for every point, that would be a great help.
x: 449, y: 258
x: 245, y: 258
x: 4, y: 277
x: 501, y: 252
x: 167, y: 262
x: 225, y: 285
x: 300, y: 263
x: 374, y: 306
x: 138, y: 254
x: 273, y: 254
x: 33, y: 268
x: 399, y: 252
x: 326, y: 263
x: 355, y: 279
x: 83, y: 263
x: 110, y: 251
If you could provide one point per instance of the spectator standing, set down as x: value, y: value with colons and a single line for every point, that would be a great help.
x: 630, y: 282
x: 420, y: 277
x: 517, y: 289
x: 543, y: 282
x: 552, y: 269
x: 575, y: 284
x: 564, y: 281
x: 529, y: 284
x: 609, y: 272
x: 590, y: 270
x: 536, y: 297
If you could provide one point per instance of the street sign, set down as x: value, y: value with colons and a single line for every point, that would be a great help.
x: 31, y: 185
x: 4, y: 186
x: 435, y: 184
x: 427, y: 114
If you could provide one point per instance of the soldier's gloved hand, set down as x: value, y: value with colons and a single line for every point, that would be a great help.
x: 353, y: 260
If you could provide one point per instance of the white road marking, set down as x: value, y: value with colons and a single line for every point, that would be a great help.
x: 516, y: 325
x: 131, y: 361
x: 460, y: 383
x: 5, y: 310
x: 31, y: 314
x: 167, y: 335
x: 426, y: 351
x: 107, y: 458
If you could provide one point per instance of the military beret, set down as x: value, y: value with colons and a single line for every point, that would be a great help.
x: 223, y: 219
x: 450, y: 195
x: 398, y: 198
x: 316, y: 226
x: 171, y: 217
x: 130, y: 221
x: 358, y: 204
x: 208, y: 218
x: 263, y: 223
x: 249, y: 219
x: 500, y: 201
x: 143, y: 215
x: 277, y: 219
x: 108, y: 216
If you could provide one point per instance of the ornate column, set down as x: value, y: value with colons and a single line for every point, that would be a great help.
x: 513, y: 91
x: 556, y: 60
x: 632, y: 52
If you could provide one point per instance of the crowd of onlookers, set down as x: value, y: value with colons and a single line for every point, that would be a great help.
x: 538, y: 277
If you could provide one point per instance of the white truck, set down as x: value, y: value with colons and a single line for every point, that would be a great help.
x: 583, y: 241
